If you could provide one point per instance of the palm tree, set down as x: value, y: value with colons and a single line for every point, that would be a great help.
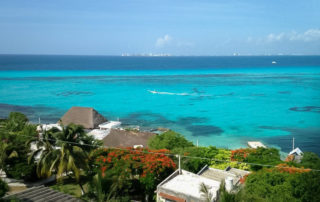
x: 64, y: 151
x: 205, y: 192
x: 4, y: 156
x: 45, y: 144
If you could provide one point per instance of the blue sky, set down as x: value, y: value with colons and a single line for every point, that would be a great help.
x: 178, y: 27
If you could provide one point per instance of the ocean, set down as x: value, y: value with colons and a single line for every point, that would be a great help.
x: 219, y: 101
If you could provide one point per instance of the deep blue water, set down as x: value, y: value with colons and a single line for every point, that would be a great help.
x: 56, y: 62
x: 221, y: 101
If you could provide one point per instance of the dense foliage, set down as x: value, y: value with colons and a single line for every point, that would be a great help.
x: 310, y: 160
x: 169, y: 140
x: 267, y: 156
x: 14, y: 133
x: 267, y: 185
x: 195, y: 164
x: 3, y: 188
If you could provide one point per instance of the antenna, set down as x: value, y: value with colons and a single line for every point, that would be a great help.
x: 293, y: 143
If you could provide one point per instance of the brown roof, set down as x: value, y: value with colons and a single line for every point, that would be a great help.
x: 123, y: 138
x: 85, y: 116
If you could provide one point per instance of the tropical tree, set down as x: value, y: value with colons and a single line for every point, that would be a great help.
x: 16, y: 122
x: 14, y: 133
x: 169, y: 140
x: 205, y: 193
x: 131, y: 172
x: 4, y: 156
x: 64, y: 152
x: 45, y: 144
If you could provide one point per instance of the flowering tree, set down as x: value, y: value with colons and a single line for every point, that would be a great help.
x: 128, y: 165
x: 269, y: 156
x: 285, y: 168
x: 241, y: 154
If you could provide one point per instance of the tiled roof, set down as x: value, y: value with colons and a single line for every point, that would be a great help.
x: 42, y: 194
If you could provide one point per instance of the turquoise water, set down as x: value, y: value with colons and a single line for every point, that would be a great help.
x: 224, y: 107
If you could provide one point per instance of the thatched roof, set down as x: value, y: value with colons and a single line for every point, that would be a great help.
x: 85, y: 116
x: 123, y: 138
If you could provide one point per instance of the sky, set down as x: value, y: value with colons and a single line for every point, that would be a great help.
x: 176, y: 27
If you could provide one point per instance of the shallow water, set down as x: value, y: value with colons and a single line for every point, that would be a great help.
x: 223, y: 106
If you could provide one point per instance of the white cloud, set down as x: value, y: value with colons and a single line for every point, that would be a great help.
x: 309, y: 35
x: 163, y: 41
x: 275, y: 37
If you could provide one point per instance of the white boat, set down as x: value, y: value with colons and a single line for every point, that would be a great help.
x: 274, y: 62
x: 153, y: 91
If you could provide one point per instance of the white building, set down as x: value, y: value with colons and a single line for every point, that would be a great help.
x: 185, y: 187
x: 104, y: 129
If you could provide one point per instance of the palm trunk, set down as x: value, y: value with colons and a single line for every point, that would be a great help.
x: 82, y: 190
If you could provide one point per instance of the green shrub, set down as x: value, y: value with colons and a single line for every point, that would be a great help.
x: 169, y: 140
x: 310, y: 160
x: 3, y: 188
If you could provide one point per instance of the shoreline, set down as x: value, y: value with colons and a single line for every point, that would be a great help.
x: 229, y: 142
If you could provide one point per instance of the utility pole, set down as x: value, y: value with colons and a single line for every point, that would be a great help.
x: 179, y: 169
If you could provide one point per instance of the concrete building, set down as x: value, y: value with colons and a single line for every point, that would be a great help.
x: 231, y: 176
x: 185, y: 186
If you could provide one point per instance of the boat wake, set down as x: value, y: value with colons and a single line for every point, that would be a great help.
x: 181, y: 94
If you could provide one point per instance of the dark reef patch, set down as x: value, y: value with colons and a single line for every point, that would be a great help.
x: 307, y: 139
x: 47, y: 114
x: 228, y: 94
x: 186, y: 121
x: 237, y: 128
x: 70, y: 93
x: 204, y: 130
x: 284, y: 92
x: 145, y: 119
x: 306, y: 109
x: 195, y: 90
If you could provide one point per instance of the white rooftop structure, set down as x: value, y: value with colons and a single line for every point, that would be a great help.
x: 255, y: 145
x: 222, y: 175
x: 99, y: 134
x: 186, y: 186
x: 296, y: 151
x: 109, y: 125
x: 46, y: 127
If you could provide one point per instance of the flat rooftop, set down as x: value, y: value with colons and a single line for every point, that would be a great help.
x: 189, y: 184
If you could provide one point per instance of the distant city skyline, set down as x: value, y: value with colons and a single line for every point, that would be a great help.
x: 168, y: 27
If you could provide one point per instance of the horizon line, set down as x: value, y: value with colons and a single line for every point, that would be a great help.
x: 157, y: 55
